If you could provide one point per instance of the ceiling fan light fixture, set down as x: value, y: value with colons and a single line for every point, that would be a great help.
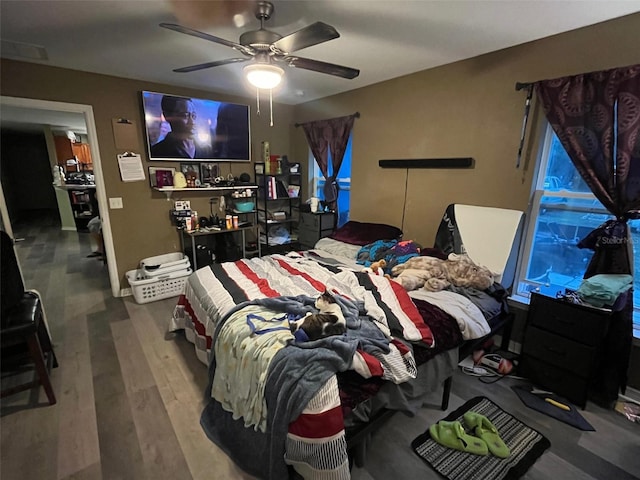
x: 263, y: 76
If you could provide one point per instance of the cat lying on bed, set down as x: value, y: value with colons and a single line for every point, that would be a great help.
x: 434, y: 274
x: 329, y: 321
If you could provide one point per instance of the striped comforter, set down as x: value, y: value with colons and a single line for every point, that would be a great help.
x: 315, y: 442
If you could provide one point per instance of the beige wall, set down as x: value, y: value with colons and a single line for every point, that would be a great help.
x: 466, y: 109
x: 142, y: 228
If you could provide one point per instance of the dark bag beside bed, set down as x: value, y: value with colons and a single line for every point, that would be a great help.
x: 226, y: 249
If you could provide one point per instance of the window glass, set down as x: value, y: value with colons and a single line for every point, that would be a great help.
x: 561, y: 223
x: 563, y: 212
x: 561, y: 174
x: 344, y: 182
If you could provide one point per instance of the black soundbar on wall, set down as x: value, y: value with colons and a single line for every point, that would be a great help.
x: 466, y: 162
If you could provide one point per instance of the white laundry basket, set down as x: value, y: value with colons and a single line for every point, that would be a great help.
x: 161, y: 265
x: 147, y: 290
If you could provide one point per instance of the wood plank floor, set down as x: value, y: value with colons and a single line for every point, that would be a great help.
x: 130, y: 394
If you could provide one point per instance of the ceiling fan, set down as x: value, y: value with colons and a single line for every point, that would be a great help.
x: 267, y: 48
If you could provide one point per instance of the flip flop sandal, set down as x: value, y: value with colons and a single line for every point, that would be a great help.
x: 452, y: 435
x: 485, y: 430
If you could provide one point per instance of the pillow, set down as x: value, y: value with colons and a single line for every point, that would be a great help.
x: 362, y: 233
x: 334, y: 247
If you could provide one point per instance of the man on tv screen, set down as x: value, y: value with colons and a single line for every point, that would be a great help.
x: 180, y: 142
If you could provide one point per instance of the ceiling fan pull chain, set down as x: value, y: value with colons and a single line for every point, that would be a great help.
x: 271, y: 106
x: 258, y: 101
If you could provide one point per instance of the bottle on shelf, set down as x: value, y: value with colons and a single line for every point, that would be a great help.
x: 266, y: 155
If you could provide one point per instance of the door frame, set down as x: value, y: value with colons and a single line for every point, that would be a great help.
x: 92, y: 135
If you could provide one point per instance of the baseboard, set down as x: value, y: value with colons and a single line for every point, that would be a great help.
x: 69, y: 229
x: 126, y: 292
x: 631, y: 394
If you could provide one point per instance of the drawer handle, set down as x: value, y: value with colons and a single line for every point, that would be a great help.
x: 562, y: 353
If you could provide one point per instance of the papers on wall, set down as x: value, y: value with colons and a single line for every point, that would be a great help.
x: 130, y: 167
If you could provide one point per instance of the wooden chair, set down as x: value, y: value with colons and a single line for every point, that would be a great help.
x: 24, y: 335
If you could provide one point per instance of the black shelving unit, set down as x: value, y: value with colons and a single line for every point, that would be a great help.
x: 84, y: 205
x: 278, y: 205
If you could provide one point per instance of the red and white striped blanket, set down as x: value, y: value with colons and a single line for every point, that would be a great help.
x: 315, y: 443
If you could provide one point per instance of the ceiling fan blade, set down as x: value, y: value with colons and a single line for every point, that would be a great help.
x: 310, y: 35
x: 202, y: 66
x: 321, y: 67
x: 189, y: 31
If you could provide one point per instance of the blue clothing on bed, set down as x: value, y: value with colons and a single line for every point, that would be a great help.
x: 391, y: 251
x: 374, y: 252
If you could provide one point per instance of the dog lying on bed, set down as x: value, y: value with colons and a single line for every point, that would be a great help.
x: 329, y: 321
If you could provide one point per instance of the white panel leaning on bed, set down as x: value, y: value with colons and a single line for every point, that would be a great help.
x: 490, y: 237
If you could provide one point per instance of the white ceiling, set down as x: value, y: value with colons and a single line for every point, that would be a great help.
x: 30, y: 119
x: 384, y: 39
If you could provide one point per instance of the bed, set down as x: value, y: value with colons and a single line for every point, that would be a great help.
x: 281, y: 408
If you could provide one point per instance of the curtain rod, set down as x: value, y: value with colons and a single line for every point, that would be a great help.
x: 356, y: 115
x: 523, y: 85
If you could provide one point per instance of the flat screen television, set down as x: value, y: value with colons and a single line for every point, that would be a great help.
x: 179, y: 128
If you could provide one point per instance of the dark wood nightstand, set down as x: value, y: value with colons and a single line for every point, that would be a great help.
x: 314, y: 226
x: 562, y: 345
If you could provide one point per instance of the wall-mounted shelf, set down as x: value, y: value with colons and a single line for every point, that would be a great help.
x: 463, y: 162
x: 168, y: 191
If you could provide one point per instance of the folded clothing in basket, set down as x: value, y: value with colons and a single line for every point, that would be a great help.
x: 161, y: 265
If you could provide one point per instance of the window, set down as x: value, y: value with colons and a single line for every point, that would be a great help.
x: 344, y: 182
x: 564, y: 211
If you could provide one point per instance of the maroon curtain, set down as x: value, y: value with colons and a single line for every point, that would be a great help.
x: 329, y: 135
x: 318, y: 145
x: 582, y: 111
x: 596, y: 116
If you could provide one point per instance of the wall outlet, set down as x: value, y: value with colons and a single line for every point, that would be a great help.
x: 115, y: 202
